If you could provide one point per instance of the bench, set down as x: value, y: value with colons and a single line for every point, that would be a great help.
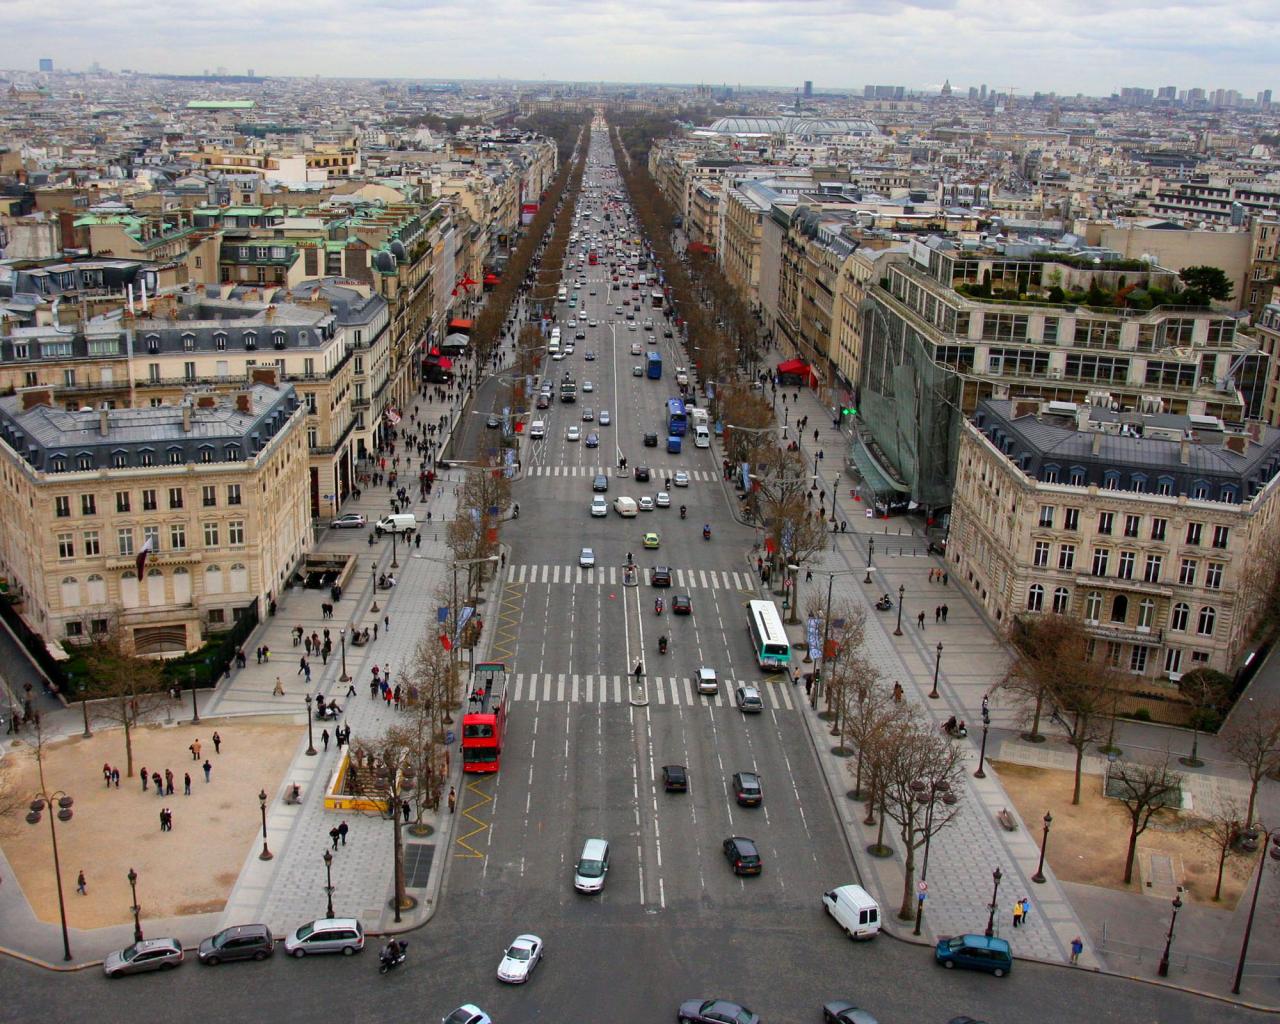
x: 1006, y: 820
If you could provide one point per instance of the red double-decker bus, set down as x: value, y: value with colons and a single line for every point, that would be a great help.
x: 485, y: 720
x: 593, y: 257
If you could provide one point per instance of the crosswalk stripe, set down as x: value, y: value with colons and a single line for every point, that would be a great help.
x: 574, y: 696
x: 658, y: 474
x: 676, y: 691
x: 560, y: 688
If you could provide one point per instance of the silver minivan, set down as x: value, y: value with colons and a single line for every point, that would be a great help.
x: 707, y: 681
x: 343, y: 935
x: 592, y: 867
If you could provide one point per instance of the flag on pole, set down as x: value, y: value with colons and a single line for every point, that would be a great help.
x: 446, y: 642
x: 147, y: 547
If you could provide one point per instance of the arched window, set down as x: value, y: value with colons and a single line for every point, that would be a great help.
x: 155, y: 587
x: 1061, y: 600
x: 70, y: 592
x: 1164, y: 485
x: 120, y: 459
x: 213, y: 579
x: 1078, y: 476
x: 1208, y: 618
x: 239, y: 578
x: 1119, y: 608
x: 250, y: 339
x: 181, y: 586
x: 1035, y: 598
x: 129, y: 589
x: 1111, y: 480
x: 1200, y: 490
x: 1049, y: 473
x: 174, y: 455
x: 220, y: 341
x: 1178, y: 617
x: 97, y: 589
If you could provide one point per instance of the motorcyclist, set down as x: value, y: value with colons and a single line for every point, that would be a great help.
x: 394, y: 950
x: 683, y: 512
x: 662, y: 643
x: 515, y: 510
x: 657, y: 606
x: 950, y: 727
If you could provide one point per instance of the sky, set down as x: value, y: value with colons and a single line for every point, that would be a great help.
x: 1093, y: 47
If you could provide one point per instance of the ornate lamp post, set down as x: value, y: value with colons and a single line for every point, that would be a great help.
x: 937, y: 664
x: 871, y: 550
x: 38, y: 803
x: 136, y: 908
x: 311, y: 743
x: 262, y: 803
x: 1273, y: 851
x: 1038, y: 877
x: 1163, y: 969
x: 982, y: 754
x: 902, y: 590
x: 996, y: 875
x: 328, y: 882
x: 342, y: 637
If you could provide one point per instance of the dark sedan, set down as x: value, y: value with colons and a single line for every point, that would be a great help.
x: 681, y: 605
x: 675, y: 778
x: 715, y: 1011
x: 742, y: 855
x: 841, y: 1011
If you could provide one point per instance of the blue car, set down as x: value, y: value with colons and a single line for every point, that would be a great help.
x: 977, y: 952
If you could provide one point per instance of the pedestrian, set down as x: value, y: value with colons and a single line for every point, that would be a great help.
x: 1017, y: 914
x: 453, y: 799
x: 324, y: 738
x: 386, y: 623
x: 82, y: 887
x: 163, y: 822
x: 266, y: 651
x: 351, y: 689
x: 158, y: 783
x: 333, y: 835
x: 258, y: 652
x: 920, y: 619
x: 145, y: 776
x: 944, y: 579
x: 375, y: 631
x: 168, y: 782
x: 373, y: 688
x: 302, y: 664
x: 186, y: 783
x: 307, y: 677
x: 808, y: 575
x: 404, y: 810
x: 106, y: 774
x: 944, y: 613
x: 342, y: 832
x: 217, y: 743
x: 1077, y: 944
x: 808, y: 684
x: 937, y: 614
x: 115, y: 777
x: 195, y: 750
x: 931, y: 572
x: 208, y: 769
x: 1026, y: 909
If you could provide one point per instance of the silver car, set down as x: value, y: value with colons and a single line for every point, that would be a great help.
x: 144, y: 955
x: 343, y: 935
x: 748, y: 700
x: 587, y: 558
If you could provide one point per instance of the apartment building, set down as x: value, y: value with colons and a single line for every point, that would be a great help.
x: 953, y: 323
x: 1146, y: 526
x: 162, y: 524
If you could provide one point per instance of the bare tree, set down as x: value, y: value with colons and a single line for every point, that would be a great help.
x: 1143, y: 788
x: 381, y: 769
x: 1252, y: 737
x: 130, y: 687
x: 1205, y: 690
x: 919, y: 754
x: 1038, y: 643
x: 431, y: 687
x: 867, y: 711
x: 1220, y: 831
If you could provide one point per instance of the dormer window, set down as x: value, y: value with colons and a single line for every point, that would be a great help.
x: 220, y: 341
x: 278, y: 339
x: 250, y: 340
x: 188, y: 343
x: 153, y: 343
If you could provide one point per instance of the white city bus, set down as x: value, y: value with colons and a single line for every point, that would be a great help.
x: 764, y: 627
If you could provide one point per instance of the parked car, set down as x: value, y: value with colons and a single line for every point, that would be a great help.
x: 349, y: 521
x: 714, y: 1011
x: 467, y: 1014
x: 841, y: 1011
x: 144, y: 955
x: 977, y: 952
x: 239, y: 942
x: 343, y: 935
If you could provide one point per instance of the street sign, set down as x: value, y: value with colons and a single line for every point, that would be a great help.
x: 922, y: 886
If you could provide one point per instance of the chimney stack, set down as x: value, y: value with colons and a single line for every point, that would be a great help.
x: 186, y: 416
x: 104, y: 422
x: 244, y: 402
x: 31, y: 397
x: 1184, y: 452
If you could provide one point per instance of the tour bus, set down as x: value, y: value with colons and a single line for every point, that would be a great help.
x: 764, y: 627
x: 485, y: 720
x: 563, y: 294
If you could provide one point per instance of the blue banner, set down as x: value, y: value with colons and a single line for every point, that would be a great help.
x: 813, y: 636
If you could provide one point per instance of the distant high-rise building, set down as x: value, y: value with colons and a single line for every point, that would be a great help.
x: 946, y: 87
x: 883, y: 92
x: 973, y: 93
x: 1196, y: 96
x: 808, y: 89
x: 1264, y: 98
x: 982, y: 93
x: 46, y: 63
x: 1167, y: 93
x: 251, y: 72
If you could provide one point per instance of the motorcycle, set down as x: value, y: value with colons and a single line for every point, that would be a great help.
x: 662, y: 645
x: 657, y: 607
x: 684, y: 512
x: 706, y: 532
x: 885, y: 604
x: 390, y: 961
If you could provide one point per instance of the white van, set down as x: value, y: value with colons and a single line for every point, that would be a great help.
x: 592, y: 867
x: 854, y: 910
x: 400, y: 522
x: 626, y: 507
x: 537, y: 429
x: 701, y: 437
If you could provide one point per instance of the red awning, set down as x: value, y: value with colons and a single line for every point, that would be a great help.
x: 490, y: 278
x: 459, y: 326
x: 798, y: 368
x: 445, y: 363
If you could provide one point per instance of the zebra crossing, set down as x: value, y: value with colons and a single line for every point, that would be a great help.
x: 659, y: 475
x: 674, y: 691
x: 611, y: 576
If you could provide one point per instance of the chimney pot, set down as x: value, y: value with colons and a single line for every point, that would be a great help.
x: 104, y: 422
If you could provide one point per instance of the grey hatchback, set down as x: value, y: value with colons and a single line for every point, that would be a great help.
x: 239, y: 942
x: 143, y: 955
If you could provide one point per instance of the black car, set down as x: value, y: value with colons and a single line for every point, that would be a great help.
x: 841, y: 1011
x: 642, y: 473
x: 600, y: 482
x: 715, y: 1011
x: 666, y: 333
x: 742, y: 855
x: 675, y: 778
x: 651, y: 440
x: 239, y: 942
x: 660, y: 576
x: 681, y: 605
x: 492, y: 421
x: 746, y: 787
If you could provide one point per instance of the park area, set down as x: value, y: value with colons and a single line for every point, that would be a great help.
x: 1088, y: 842
x: 187, y: 870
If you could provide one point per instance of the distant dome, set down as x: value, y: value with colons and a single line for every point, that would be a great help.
x: 398, y: 250
x: 384, y: 262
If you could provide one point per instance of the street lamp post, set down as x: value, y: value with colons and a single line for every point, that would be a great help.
x: 266, y: 854
x: 937, y: 664
x: 328, y: 882
x: 342, y: 637
x: 982, y: 754
x: 902, y: 590
x: 38, y: 803
x: 1163, y: 969
x: 1038, y: 877
x: 311, y: 743
x: 996, y: 875
x: 871, y: 550
x: 394, y: 563
x: 1274, y: 853
x: 195, y: 708
x: 136, y: 908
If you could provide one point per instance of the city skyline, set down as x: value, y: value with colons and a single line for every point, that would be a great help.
x: 1102, y: 49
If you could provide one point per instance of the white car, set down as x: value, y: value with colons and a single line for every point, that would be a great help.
x: 632, y: 326
x: 588, y: 387
x: 573, y: 434
x: 663, y: 499
x: 599, y: 507
x: 594, y: 323
x: 556, y: 357
x: 468, y: 1013
x: 680, y: 478
x: 586, y: 558
x: 603, y: 418
x: 521, y: 957
x: 646, y: 504
x: 635, y: 348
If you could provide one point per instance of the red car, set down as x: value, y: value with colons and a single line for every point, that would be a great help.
x: 681, y: 605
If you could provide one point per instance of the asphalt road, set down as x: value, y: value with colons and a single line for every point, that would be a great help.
x: 672, y: 922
